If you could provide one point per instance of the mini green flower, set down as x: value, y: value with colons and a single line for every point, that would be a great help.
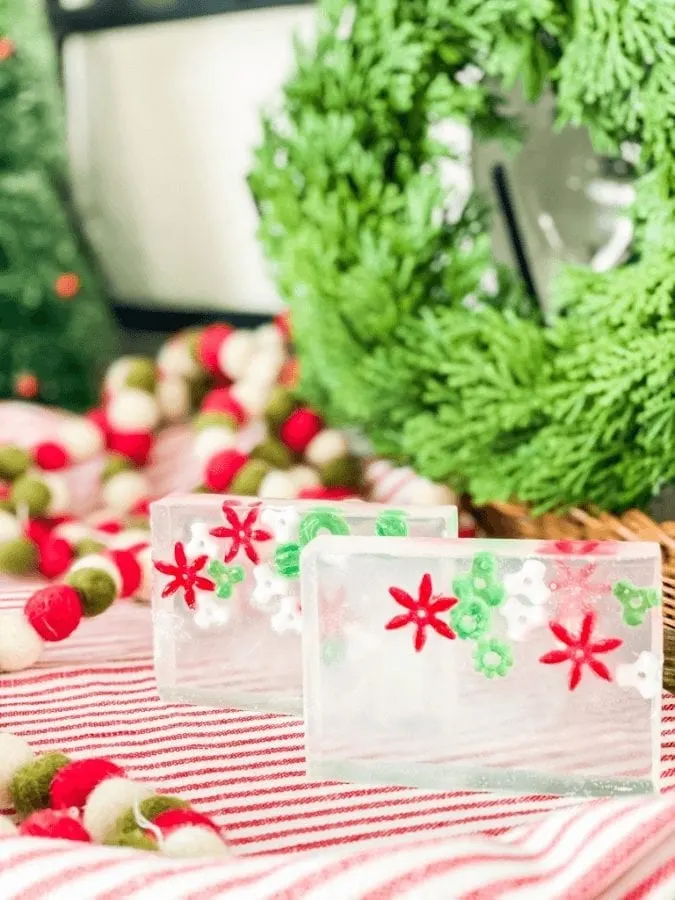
x: 392, y: 523
x: 225, y: 577
x: 319, y: 520
x: 636, y: 601
x: 470, y: 619
x: 492, y: 657
x: 482, y: 583
x: 287, y: 560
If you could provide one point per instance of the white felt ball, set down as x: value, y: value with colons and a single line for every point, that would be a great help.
x: 123, y: 491
x: 304, y: 478
x: 269, y: 336
x: 133, y: 410
x: 131, y: 537
x: 73, y: 532
x: 194, y: 841
x: 252, y: 395
x: 426, y: 493
x: 98, y: 561
x: 175, y: 359
x: 278, y: 485
x: 10, y: 529
x: 14, y: 753
x: 173, y: 397
x: 265, y: 366
x: 117, y: 374
x: 7, y: 827
x: 81, y: 438
x: 108, y: 801
x: 211, y: 441
x: 20, y: 644
x: 328, y: 445
x: 235, y: 353
x: 59, y: 502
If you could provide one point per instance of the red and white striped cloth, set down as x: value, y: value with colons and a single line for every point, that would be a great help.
x: 293, y: 838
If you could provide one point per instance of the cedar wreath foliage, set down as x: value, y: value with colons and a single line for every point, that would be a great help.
x: 377, y: 271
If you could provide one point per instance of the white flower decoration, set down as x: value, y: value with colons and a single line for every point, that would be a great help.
x: 289, y: 616
x: 521, y: 619
x: 209, y: 613
x: 529, y: 582
x: 200, y: 543
x: 269, y: 587
x: 644, y: 675
x: 283, y: 523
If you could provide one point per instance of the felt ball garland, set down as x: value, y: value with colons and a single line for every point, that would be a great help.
x: 93, y: 800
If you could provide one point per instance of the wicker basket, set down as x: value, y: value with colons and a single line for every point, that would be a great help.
x: 515, y: 520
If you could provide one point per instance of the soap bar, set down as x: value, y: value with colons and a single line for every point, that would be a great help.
x: 226, y: 592
x: 506, y: 665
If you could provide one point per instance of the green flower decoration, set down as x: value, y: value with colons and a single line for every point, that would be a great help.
x: 332, y: 651
x: 492, y: 657
x: 482, y: 583
x: 392, y: 523
x: 287, y: 560
x: 321, y: 520
x: 470, y: 619
x: 225, y: 577
x: 636, y: 601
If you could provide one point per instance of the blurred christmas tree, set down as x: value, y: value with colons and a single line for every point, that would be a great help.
x: 55, y: 329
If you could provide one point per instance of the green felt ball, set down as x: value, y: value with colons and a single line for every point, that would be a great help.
x: 198, y: 388
x: 96, y: 588
x: 192, y: 336
x: 7, y: 506
x: 142, y: 374
x: 249, y: 478
x: 29, y: 787
x: 18, y: 557
x: 88, y: 546
x: 279, y: 407
x: 275, y: 453
x: 114, y: 464
x: 134, y: 838
x: 13, y: 462
x: 32, y: 494
x: 141, y: 522
x: 345, y: 471
x: 149, y: 809
x: 213, y: 419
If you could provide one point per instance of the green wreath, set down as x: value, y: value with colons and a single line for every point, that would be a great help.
x: 347, y: 182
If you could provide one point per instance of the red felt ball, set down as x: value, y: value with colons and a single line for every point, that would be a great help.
x: 51, y: 456
x: 221, y: 469
x: 299, y: 429
x: 326, y: 493
x: 98, y: 417
x: 129, y: 569
x: 5, y: 489
x: 136, y: 446
x: 221, y: 400
x: 110, y: 526
x: 54, y: 612
x: 209, y: 343
x: 38, y: 530
x: 142, y: 508
x: 54, y: 556
x: 72, y: 785
x: 171, y: 819
x: 51, y: 824
x: 283, y: 323
x: 290, y: 373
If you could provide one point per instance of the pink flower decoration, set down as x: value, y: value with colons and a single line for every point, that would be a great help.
x: 185, y: 575
x: 578, y: 548
x: 574, y: 588
x: 422, y: 612
x: 581, y: 650
x: 241, y: 533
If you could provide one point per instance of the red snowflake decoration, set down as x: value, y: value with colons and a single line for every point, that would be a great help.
x: 581, y: 650
x: 185, y: 575
x: 422, y: 612
x: 241, y: 533
x: 578, y: 548
x: 573, y: 587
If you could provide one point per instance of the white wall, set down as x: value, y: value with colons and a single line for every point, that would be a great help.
x: 162, y: 120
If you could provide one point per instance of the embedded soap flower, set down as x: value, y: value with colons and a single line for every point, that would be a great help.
x: 521, y: 619
x: 644, y: 675
x: 529, y: 582
x: 269, y: 587
x: 209, y: 613
x: 283, y: 523
x: 288, y: 619
x: 200, y: 543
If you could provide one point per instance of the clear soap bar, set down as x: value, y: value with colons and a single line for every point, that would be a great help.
x: 226, y: 591
x: 506, y: 665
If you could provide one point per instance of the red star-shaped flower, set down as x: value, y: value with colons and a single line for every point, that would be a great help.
x: 580, y: 650
x: 241, y: 533
x: 578, y: 548
x: 574, y: 589
x: 185, y: 575
x: 423, y: 612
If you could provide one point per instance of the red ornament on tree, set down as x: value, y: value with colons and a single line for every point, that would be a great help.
x: 7, y: 49
x: 54, y: 612
x: 67, y: 286
x: 26, y: 385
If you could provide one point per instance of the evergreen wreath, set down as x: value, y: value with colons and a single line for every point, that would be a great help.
x: 347, y: 181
